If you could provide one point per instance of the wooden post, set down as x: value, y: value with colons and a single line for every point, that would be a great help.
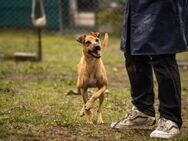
x: 39, y: 44
x: 39, y: 23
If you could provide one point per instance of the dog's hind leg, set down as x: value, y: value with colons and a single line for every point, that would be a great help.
x: 83, y: 112
x: 88, y: 114
x: 89, y: 117
x: 99, y: 111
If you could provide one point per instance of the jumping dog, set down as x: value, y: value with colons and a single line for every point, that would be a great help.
x: 92, y: 74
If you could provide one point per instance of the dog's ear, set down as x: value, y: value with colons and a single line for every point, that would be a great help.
x: 81, y: 39
x: 105, y: 41
x: 95, y: 34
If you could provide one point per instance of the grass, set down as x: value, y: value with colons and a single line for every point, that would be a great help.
x: 33, y: 101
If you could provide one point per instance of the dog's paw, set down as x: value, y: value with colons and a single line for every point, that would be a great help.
x: 88, y: 105
x: 100, y: 121
x: 106, y: 91
x: 90, y: 122
x: 82, y: 111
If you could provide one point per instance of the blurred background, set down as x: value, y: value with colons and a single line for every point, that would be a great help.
x: 64, y: 17
x: 38, y: 101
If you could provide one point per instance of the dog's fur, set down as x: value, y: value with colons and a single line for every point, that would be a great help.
x: 92, y: 74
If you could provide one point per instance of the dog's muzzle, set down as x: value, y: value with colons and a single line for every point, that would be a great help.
x: 95, y: 51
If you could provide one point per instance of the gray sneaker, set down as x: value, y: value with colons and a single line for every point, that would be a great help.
x: 134, y: 120
x: 166, y: 129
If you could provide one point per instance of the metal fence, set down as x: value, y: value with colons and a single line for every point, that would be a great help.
x: 65, y: 15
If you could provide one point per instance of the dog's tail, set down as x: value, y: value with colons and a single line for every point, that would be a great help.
x: 105, y: 41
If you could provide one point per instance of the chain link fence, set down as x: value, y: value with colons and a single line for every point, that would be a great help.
x: 63, y: 16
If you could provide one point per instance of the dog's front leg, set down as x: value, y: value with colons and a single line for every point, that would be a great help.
x: 94, y: 97
x: 83, y: 93
x: 83, y: 112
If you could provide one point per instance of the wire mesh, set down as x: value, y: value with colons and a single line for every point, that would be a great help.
x: 63, y: 16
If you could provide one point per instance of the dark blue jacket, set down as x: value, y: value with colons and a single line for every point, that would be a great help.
x: 153, y: 27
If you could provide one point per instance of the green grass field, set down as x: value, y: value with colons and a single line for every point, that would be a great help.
x: 33, y: 101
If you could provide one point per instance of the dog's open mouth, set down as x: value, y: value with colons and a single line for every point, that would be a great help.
x: 95, y: 53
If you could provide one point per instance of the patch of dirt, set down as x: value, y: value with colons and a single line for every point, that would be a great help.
x: 52, y: 133
x: 58, y: 133
x: 17, y: 77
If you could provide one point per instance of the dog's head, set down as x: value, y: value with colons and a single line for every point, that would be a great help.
x: 92, y: 44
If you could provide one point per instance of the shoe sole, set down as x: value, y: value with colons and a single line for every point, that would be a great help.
x: 163, y: 135
x: 144, y: 127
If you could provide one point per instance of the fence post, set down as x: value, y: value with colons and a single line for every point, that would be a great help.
x: 60, y: 16
x: 73, y: 12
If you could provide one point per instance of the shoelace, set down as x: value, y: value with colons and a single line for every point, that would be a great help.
x: 162, y: 124
x: 130, y: 114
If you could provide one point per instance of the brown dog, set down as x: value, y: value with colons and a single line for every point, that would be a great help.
x: 92, y: 74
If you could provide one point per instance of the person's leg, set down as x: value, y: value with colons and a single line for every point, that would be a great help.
x: 142, y: 115
x: 140, y: 75
x: 167, y: 74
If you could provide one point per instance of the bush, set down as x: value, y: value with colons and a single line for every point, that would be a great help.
x: 111, y: 10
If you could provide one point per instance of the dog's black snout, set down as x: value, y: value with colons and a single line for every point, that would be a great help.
x: 97, y: 47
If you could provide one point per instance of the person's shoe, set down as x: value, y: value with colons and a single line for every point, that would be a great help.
x: 165, y: 129
x: 134, y: 120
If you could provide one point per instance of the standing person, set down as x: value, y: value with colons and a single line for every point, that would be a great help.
x: 153, y: 32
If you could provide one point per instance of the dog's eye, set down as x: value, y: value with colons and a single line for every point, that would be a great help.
x: 87, y: 42
x: 97, y: 40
